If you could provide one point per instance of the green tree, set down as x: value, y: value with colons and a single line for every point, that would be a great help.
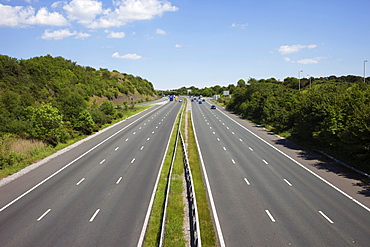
x: 71, y: 106
x: 46, y: 123
x: 107, y: 107
x: 241, y: 83
x: 84, y: 122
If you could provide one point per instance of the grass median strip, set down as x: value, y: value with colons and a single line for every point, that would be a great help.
x: 175, y: 235
x: 207, y: 230
x: 175, y: 210
x: 152, y: 236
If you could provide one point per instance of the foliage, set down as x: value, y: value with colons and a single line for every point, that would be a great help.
x: 47, y: 98
x: 241, y: 83
x: 107, y: 107
x: 331, y: 113
x: 46, y: 123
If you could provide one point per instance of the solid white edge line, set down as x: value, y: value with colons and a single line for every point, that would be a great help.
x: 213, y: 207
x: 73, y: 161
x: 94, y: 215
x: 44, y: 214
x: 79, y: 182
x: 270, y: 215
x: 147, y: 216
x: 326, y: 217
x: 302, y: 166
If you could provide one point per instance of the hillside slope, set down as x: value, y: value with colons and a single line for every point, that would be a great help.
x: 53, y: 99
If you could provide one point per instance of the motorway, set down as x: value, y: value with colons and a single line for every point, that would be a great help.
x: 95, y: 194
x: 263, y: 197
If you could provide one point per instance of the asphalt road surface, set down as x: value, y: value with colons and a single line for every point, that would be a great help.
x: 96, y: 194
x: 263, y: 197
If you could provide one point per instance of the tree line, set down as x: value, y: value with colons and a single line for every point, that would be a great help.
x: 53, y: 99
x: 329, y: 113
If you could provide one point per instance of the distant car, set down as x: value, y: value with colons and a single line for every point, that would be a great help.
x: 203, y: 100
x: 213, y: 107
x: 200, y: 102
x: 180, y: 100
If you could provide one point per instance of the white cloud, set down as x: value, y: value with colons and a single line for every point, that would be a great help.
x: 178, y: 46
x: 44, y: 17
x: 129, y: 11
x: 89, y: 13
x: 82, y: 35
x: 58, y: 34
x: 115, y: 35
x: 83, y: 11
x: 287, y: 59
x: 241, y: 26
x: 310, y: 60
x: 127, y: 56
x: 287, y: 49
x: 160, y: 31
x: 19, y: 16
x: 58, y: 4
x: 63, y: 33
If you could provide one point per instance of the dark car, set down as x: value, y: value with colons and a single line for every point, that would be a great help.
x: 200, y: 102
x: 213, y: 107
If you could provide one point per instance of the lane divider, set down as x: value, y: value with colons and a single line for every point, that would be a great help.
x: 72, y: 162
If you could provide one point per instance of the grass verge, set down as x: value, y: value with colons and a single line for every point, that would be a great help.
x: 175, y: 210
x: 207, y: 230
x: 13, y: 158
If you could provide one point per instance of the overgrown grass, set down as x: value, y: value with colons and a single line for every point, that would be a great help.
x: 175, y: 211
x: 207, y: 230
x: 17, y: 153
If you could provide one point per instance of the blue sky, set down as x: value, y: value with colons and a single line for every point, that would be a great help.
x: 202, y: 43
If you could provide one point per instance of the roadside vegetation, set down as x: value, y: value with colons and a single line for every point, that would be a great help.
x: 207, y: 230
x: 331, y: 114
x: 17, y: 153
x: 49, y: 102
